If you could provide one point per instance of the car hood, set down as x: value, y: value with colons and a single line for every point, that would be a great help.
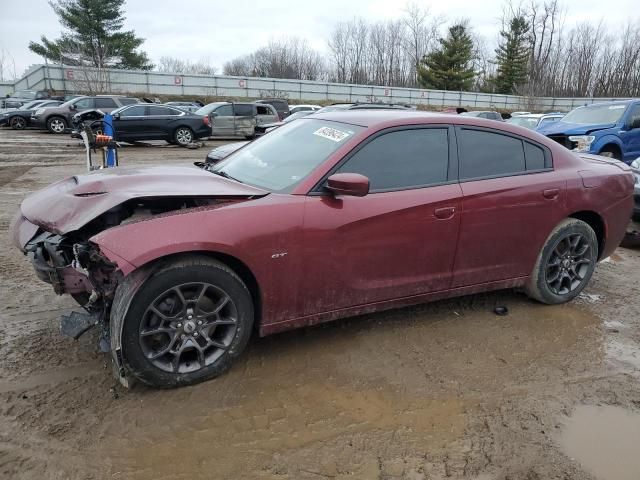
x: 70, y: 204
x: 564, y: 128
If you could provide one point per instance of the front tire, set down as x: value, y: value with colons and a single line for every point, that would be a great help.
x: 183, y: 136
x: 610, y: 152
x: 56, y: 125
x: 565, y: 264
x: 188, y: 323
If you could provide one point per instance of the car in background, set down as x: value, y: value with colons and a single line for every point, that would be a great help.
x: 237, y: 119
x: 280, y: 104
x: 488, y: 114
x: 610, y: 129
x: 267, y: 127
x: 144, y: 121
x: 635, y: 166
x: 223, y: 151
x: 336, y: 107
x: 330, y: 216
x: 190, y: 107
x: 533, y: 121
x: 20, y: 118
x: 59, y: 119
x: 20, y: 97
x: 303, y: 108
x: 516, y: 114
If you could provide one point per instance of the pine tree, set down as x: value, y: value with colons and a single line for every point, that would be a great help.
x: 450, y: 67
x: 93, y: 36
x: 512, y: 56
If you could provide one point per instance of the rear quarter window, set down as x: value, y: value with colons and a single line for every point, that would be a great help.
x: 243, y: 110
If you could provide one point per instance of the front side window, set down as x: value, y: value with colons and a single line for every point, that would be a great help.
x: 84, y: 104
x: 634, y: 115
x: 135, y: 111
x: 403, y: 159
x: 224, y: 111
x: 281, y: 160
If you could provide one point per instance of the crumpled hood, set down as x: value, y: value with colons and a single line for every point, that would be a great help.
x: 564, y: 128
x: 70, y: 204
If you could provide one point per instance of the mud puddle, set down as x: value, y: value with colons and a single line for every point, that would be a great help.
x: 605, y: 441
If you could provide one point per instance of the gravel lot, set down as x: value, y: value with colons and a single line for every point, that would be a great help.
x: 446, y: 390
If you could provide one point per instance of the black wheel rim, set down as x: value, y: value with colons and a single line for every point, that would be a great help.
x: 569, y: 264
x: 188, y: 327
x: 19, y: 123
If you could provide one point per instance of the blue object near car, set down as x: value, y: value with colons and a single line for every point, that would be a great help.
x: 611, y: 129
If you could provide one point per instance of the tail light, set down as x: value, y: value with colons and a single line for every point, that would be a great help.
x: 205, y: 119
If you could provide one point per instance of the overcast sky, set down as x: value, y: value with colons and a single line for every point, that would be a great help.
x: 217, y: 31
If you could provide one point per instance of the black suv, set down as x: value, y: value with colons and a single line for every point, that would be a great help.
x: 58, y: 119
x: 281, y: 106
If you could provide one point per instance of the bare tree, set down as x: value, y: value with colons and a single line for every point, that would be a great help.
x: 7, y: 66
x: 177, y: 65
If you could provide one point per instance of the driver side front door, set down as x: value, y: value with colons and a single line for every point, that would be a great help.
x: 397, y: 241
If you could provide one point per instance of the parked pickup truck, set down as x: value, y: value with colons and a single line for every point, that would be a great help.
x: 611, y: 129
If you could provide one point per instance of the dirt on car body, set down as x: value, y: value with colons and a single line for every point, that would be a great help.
x: 447, y: 390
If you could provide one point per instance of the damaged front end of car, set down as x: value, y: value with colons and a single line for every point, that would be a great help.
x: 58, y: 228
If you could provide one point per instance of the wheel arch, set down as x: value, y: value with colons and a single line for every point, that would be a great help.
x: 611, y: 145
x: 597, y: 223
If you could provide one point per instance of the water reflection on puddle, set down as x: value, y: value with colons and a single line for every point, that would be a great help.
x: 605, y: 440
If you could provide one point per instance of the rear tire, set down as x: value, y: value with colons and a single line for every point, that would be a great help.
x: 183, y: 136
x: 565, y: 263
x: 203, y: 315
x: 56, y: 125
x: 18, y: 123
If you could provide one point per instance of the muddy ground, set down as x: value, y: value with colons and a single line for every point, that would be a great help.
x: 447, y: 390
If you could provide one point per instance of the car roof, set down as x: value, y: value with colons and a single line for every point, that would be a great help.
x: 372, y: 117
x: 613, y: 102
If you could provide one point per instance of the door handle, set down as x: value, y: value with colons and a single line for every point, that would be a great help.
x: 551, y: 193
x: 444, y: 213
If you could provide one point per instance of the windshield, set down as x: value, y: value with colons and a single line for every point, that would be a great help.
x: 280, y: 160
x: 24, y: 94
x: 207, y: 109
x: 596, y: 114
x: 527, y: 122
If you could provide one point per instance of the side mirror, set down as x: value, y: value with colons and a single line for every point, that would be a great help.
x: 352, y: 184
x: 116, y: 116
x: 72, y: 107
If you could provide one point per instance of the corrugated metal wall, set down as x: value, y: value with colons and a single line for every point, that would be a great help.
x: 74, y: 79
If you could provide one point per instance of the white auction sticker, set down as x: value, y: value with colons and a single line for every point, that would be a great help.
x: 331, y: 134
x: 617, y: 107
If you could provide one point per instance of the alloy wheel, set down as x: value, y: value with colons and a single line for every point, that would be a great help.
x: 57, y: 125
x: 18, y: 123
x: 569, y: 264
x: 188, y: 327
x: 184, y: 136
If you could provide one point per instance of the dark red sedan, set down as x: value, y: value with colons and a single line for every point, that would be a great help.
x: 334, y: 215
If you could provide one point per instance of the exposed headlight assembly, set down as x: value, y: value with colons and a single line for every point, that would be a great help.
x: 583, y: 142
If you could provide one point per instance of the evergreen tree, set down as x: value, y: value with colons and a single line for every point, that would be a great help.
x: 512, y: 56
x: 93, y: 36
x: 450, y: 67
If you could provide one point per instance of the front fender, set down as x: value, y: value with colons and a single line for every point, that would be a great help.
x: 607, y: 139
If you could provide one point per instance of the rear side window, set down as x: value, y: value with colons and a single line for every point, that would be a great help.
x: 243, y: 110
x: 105, y: 103
x: 489, y: 154
x: 84, y: 104
x: 403, y: 159
x: 265, y: 110
x: 160, y: 111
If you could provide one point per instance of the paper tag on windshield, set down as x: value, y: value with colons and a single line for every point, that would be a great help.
x: 331, y: 134
x: 617, y: 107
